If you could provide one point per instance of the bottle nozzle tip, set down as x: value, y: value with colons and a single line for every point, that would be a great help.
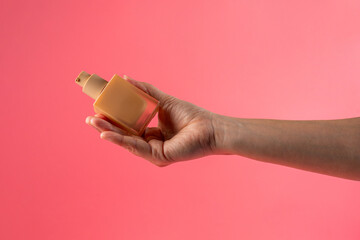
x: 82, y: 78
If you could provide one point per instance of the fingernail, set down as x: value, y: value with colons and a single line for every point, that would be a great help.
x: 87, y: 120
x: 103, y: 135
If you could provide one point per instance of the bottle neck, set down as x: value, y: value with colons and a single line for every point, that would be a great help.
x: 92, y: 85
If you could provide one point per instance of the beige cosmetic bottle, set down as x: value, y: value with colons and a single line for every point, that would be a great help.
x: 125, y: 105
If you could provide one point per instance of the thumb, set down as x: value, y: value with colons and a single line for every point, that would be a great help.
x: 148, y: 88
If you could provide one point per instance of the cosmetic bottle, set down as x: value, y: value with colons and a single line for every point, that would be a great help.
x: 125, y: 105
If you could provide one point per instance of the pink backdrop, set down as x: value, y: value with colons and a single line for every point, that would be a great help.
x: 253, y: 59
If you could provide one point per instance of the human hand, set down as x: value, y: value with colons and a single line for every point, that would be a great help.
x: 185, y: 131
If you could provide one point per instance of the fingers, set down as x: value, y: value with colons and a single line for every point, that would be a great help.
x: 136, y: 146
x: 100, y: 124
x: 139, y: 147
x: 148, y: 88
x: 150, y: 149
x: 88, y: 122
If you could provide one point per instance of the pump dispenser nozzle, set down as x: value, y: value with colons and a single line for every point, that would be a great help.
x: 92, y: 85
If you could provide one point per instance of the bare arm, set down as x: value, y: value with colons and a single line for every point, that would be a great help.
x: 330, y: 147
x: 186, y: 131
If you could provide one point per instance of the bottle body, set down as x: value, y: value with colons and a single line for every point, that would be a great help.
x: 126, y: 106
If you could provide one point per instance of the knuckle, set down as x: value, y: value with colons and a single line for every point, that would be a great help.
x: 130, y: 149
x: 156, y: 155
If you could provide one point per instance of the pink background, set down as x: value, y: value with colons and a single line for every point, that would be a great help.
x: 253, y: 59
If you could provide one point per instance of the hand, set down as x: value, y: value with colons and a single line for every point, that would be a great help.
x: 185, y: 131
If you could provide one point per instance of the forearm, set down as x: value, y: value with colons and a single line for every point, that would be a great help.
x: 325, y: 146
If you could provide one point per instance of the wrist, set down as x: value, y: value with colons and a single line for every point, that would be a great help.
x: 227, y: 134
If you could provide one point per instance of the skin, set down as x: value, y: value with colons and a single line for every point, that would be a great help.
x: 186, y: 131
